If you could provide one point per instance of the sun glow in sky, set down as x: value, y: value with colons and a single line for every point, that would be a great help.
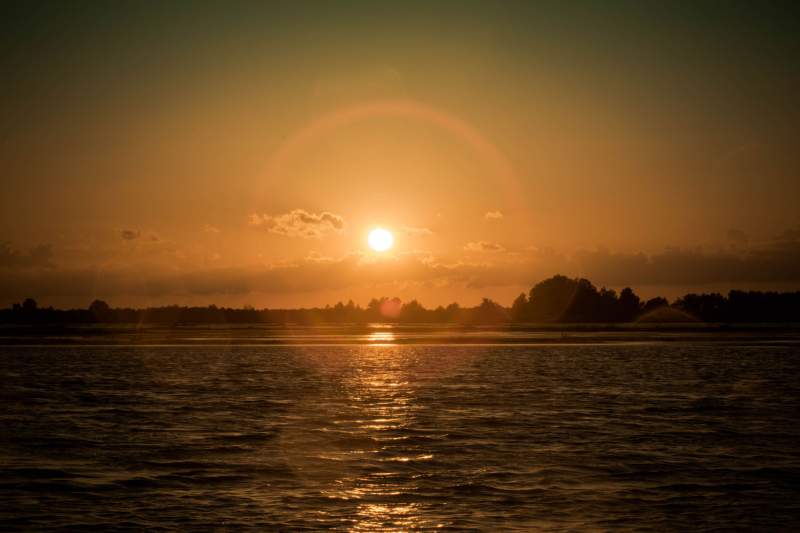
x: 380, y: 239
x: 240, y: 154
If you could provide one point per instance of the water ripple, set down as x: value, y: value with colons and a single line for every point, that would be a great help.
x: 388, y: 437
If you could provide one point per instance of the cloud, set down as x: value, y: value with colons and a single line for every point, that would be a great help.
x: 493, y: 215
x: 772, y: 262
x: 129, y: 234
x: 416, y: 232
x: 37, y: 257
x: 299, y: 223
x: 308, y: 275
x: 789, y: 236
x: 737, y: 236
x: 775, y: 261
x: 208, y: 228
x: 483, y: 247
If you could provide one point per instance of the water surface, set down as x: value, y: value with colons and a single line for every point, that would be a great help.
x: 377, y: 435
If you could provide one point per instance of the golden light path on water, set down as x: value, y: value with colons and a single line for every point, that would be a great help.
x: 381, y: 337
x: 368, y: 451
x: 385, y: 397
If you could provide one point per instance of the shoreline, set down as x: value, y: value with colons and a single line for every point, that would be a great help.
x: 384, y: 334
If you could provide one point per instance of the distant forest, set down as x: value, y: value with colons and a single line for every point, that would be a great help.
x: 558, y: 299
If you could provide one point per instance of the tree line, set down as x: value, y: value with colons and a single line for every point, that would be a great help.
x: 558, y: 299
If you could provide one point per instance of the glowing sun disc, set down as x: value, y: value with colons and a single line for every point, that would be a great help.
x: 380, y: 239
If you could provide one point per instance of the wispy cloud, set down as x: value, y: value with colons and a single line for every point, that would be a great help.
x: 416, y: 232
x: 130, y: 234
x: 484, y: 247
x: 299, y: 223
x: 493, y: 215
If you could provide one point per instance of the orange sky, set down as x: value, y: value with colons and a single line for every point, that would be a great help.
x: 157, y: 154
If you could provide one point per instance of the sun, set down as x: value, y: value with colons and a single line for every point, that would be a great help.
x: 380, y: 239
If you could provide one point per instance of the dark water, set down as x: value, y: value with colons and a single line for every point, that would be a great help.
x: 640, y: 436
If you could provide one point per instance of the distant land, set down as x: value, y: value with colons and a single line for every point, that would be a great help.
x: 558, y: 299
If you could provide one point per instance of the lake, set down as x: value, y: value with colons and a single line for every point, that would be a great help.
x: 394, y: 430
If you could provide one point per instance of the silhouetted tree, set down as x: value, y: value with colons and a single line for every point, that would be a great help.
x: 549, y: 299
x: 629, y: 305
x: 453, y: 313
x: 519, y: 309
x: 374, y: 309
x: 587, y: 304
x: 100, y: 310
x: 413, y: 312
x: 558, y: 299
x: 709, y: 307
x: 489, y: 312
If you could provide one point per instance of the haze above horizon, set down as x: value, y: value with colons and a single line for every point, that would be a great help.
x: 242, y: 154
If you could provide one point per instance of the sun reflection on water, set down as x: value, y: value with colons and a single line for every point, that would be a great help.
x: 365, y: 444
x: 382, y: 392
x: 377, y: 517
x: 381, y: 337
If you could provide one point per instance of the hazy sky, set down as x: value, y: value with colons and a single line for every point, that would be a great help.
x: 238, y: 153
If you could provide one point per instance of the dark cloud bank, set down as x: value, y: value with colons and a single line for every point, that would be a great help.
x: 37, y: 257
x: 33, y: 273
